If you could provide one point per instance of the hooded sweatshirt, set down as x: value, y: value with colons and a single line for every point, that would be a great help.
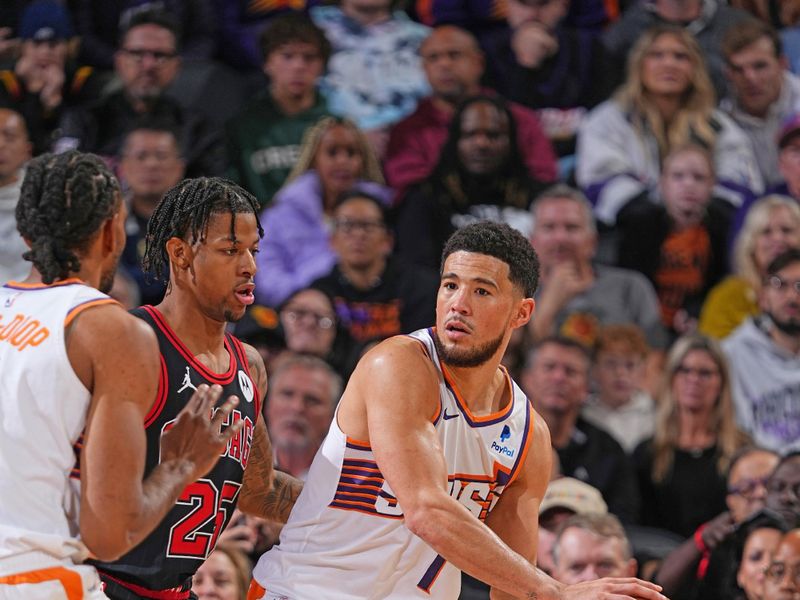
x: 765, y: 381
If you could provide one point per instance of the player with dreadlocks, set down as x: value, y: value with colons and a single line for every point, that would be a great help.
x: 72, y: 362
x: 206, y: 231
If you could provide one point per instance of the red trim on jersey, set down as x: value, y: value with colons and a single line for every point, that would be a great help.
x: 242, y: 354
x: 161, y: 394
x: 220, y: 378
x: 170, y: 594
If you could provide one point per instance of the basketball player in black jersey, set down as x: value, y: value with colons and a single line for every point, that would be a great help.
x: 207, y: 232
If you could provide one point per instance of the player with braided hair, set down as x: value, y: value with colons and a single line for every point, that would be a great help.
x: 59, y: 231
x: 206, y: 231
x: 78, y: 376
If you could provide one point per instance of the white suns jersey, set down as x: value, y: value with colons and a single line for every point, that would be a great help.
x: 346, y: 539
x: 43, y: 408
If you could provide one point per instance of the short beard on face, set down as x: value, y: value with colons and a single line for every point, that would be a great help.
x: 230, y: 317
x: 107, y: 279
x: 789, y: 327
x: 469, y: 357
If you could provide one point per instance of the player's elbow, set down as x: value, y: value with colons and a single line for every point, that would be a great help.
x: 107, y: 536
x: 105, y: 544
x: 423, y: 518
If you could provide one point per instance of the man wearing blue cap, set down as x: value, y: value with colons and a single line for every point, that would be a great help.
x: 42, y: 81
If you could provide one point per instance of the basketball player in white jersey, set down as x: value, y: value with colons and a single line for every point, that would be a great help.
x: 435, y: 462
x: 78, y: 373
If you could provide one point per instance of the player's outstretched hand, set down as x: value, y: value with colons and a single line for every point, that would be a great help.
x: 195, y: 438
x: 618, y: 588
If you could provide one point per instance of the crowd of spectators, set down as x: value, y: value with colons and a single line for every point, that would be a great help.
x: 649, y: 149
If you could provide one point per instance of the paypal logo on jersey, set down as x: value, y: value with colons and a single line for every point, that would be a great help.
x: 503, y: 449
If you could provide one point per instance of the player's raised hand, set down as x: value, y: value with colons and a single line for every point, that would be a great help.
x: 614, y: 588
x: 196, y: 437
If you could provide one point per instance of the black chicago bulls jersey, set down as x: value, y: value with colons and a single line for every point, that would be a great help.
x: 163, y: 564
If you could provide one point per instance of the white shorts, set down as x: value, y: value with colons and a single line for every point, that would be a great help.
x: 73, y: 582
x: 256, y: 592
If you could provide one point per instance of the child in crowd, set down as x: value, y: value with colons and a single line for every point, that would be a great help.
x: 620, y: 405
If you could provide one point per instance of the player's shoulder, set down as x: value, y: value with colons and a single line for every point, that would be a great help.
x: 401, y: 358
x: 111, y: 324
x: 255, y: 362
x: 398, y: 351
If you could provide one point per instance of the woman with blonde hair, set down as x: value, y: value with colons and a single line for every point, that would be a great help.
x: 225, y: 575
x: 666, y: 101
x: 682, y: 470
x: 771, y: 226
x: 335, y: 157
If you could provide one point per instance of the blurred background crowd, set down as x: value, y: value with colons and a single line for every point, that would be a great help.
x: 649, y: 149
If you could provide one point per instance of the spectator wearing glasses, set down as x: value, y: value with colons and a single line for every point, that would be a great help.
x: 772, y: 225
x: 782, y: 580
x: 747, y: 481
x: 146, y: 62
x: 98, y: 22
x: 757, y: 542
x: 782, y: 502
x: 764, y: 355
x: 685, y: 567
x: 376, y: 296
x: 149, y: 165
x: 335, y: 157
x: 310, y: 327
x: 303, y: 394
x: 695, y: 439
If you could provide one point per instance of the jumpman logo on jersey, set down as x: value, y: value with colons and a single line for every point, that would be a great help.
x: 187, y: 382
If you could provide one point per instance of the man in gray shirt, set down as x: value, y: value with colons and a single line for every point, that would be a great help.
x: 764, y: 358
x: 763, y: 92
x: 576, y: 296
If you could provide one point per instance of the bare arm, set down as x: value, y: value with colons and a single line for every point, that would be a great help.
x: 408, y: 452
x: 116, y: 356
x: 410, y: 457
x: 681, y: 564
x: 515, y: 517
x: 266, y: 493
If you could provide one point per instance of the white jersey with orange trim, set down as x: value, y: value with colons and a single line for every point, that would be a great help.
x: 43, y: 407
x: 346, y: 538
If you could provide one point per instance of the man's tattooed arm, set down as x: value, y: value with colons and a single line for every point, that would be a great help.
x: 265, y: 493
